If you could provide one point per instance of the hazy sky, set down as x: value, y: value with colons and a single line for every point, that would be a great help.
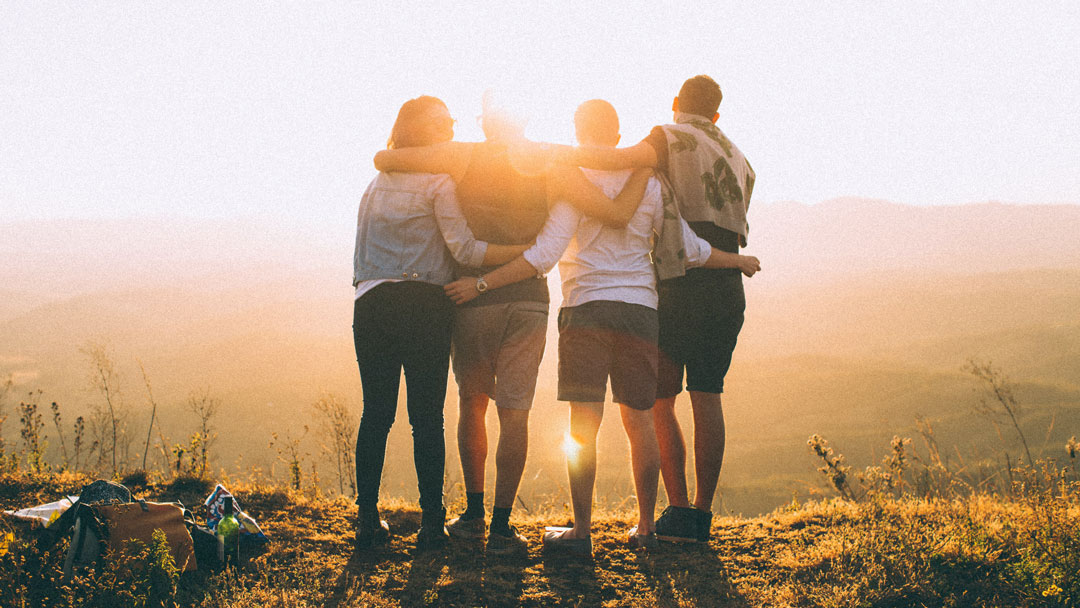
x: 113, y: 109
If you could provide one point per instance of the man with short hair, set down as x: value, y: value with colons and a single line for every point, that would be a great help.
x: 607, y: 326
x: 701, y: 310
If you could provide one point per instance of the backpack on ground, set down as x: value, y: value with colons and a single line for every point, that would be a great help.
x: 103, y: 528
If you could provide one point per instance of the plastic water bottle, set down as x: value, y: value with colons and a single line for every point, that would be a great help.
x: 228, y: 531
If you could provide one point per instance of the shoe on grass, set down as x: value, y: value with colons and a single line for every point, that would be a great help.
x: 643, y: 542
x: 499, y: 543
x: 467, y: 529
x: 432, y: 534
x: 679, y: 525
x: 557, y: 542
x: 370, y: 529
x: 704, y: 525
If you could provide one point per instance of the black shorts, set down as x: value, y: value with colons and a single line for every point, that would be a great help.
x: 605, y: 338
x: 700, y: 318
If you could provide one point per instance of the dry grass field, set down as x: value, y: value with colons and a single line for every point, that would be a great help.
x: 1022, y: 550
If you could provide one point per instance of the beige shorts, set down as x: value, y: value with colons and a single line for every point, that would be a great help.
x: 497, y: 350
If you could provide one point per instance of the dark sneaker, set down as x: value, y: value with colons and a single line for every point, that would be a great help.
x: 556, y: 542
x: 467, y: 529
x: 500, y: 543
x: 370, y: 530
x: 704, y: 525
x: 643, y: 542
x: 679, y: 525
x: 432, y: 534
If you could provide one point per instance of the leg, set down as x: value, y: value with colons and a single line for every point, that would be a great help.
x: 472, y: 440
x: 426, y: 364
x: 380, y: 372
x: 581, y: 466
x: 475, y: 343
x: 472, y: 449
x: 645, y: 459
x: 672, y: 448
x: 721, y: 301
x: 510, y: 455
x: 634, y: 383
x: 516, y: 368
x: 709, y: 443
x: 672, y: 339
x: 504, y: 538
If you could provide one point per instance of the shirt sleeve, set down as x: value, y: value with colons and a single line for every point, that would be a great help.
x: 455, y: 230
x: 658, y: 140
x: 697, y: 249
x: 554, y: 237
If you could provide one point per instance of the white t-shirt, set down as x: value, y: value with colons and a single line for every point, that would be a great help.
x: 604, y: 263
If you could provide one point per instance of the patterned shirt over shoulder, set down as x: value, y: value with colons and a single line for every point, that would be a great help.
x: 710, y: 178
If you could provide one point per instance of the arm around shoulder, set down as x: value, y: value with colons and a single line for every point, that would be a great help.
x: 637, y: 156
x: 570, y: 185
x: 451, y: 157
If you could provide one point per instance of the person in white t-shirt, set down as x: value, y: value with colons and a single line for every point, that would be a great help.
x: 607, y: 327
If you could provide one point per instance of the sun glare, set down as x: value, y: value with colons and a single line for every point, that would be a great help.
x: 571, y: 448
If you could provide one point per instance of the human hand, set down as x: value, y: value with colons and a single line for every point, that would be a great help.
x: 749, y: 265
x: 462, y: 290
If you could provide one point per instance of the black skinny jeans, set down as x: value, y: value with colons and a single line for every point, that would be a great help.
x: 402, y: 325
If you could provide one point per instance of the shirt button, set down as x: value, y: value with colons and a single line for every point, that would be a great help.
x: 414, y: 275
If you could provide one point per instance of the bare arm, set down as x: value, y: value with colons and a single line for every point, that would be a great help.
x: 538, y: 259
x: 570, y: 184
x: 700, y: 254
x: 451, y: 157
x: 464, y: 289
x: 747, y: 264
x: 637, y: 156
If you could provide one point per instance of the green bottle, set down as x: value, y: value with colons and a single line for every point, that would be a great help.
x: 228, y: 531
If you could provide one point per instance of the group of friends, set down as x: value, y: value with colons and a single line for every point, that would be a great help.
x: 453, y: 243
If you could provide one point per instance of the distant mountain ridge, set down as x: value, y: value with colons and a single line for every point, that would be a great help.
x: 796, y: 242
x: 852, y: 236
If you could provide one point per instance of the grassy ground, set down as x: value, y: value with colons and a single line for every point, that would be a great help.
x: 883, y: 552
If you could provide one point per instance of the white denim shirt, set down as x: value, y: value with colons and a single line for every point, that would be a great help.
x: 603, y: 263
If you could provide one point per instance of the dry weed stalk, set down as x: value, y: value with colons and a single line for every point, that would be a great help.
x: 999, y: 401
x: 338, y: 428
x: 106, y: 380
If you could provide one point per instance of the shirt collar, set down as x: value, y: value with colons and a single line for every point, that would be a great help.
x: 685, y: 117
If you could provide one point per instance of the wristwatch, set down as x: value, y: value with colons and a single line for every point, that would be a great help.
x: 481, y: 285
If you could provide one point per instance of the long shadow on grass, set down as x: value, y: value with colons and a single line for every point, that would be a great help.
x: 690, y: 574
x: 476, y: 579
x: 394, y: 570
x: 422, y: 584
x: 574, y: 580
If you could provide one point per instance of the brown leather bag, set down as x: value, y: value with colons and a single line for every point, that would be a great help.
x: 138, y: 520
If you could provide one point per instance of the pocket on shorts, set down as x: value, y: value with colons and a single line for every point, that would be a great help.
x: 530, y: 306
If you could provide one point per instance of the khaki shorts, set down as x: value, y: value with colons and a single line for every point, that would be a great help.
x: 497, y: 350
